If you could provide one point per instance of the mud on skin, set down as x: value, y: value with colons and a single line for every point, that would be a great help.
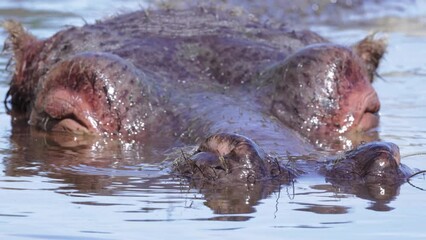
x: 176, y: 77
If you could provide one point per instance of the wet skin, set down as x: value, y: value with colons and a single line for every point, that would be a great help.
x: 176, y: 77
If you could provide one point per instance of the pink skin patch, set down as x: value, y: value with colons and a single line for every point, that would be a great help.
x: 363, y: 116
x: 64, y: 111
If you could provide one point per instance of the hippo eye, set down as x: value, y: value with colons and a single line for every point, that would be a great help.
x: 219, y: 168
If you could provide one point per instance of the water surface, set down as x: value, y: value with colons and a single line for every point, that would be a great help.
x: 107, y: 191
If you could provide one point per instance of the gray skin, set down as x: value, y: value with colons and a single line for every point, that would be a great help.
x: 175, y: 77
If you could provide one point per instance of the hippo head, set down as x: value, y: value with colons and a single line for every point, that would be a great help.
x: 231, y: 158
x: 325, y: 90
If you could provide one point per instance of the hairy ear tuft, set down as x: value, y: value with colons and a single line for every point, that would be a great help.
x: 371, y: 50
x: 19, y: 38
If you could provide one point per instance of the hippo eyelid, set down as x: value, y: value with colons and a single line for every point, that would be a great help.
x: 218, y: 167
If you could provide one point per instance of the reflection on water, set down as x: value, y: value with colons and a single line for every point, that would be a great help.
x: 54, y: 187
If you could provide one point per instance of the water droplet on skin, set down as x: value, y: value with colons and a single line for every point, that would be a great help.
x: 382, y: 191
x: 92, y: 121
x: 111, y: 90
x: 349, y: 121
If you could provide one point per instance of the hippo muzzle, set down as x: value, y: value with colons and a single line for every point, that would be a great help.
x: 231, y: 158
x: 374, y: 162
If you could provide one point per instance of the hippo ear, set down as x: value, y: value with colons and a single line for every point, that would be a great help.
x: 371, y: 51
x: 25, y: 48
x: 18, y: 37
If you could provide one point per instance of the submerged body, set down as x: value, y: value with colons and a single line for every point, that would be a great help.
x: 181, y: 76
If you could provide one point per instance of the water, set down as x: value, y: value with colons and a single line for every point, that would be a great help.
x: 107, y: 192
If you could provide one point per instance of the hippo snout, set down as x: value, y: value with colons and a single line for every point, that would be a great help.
x: 374, y: 162
x: 230, y: 158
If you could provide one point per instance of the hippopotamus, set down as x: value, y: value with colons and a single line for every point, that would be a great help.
x: 254, y: 95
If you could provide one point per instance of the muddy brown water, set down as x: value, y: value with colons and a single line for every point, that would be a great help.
x: 106, y: 191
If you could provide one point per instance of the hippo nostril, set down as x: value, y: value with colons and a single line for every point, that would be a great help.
x: 230, y: 156
x: 374, y: 162
x: 384, y: 165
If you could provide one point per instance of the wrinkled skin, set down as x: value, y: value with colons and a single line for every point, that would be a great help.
x: 180, y: 76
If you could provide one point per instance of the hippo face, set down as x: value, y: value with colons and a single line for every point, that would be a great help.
x: 179, y: 76
x: 325, y: 90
